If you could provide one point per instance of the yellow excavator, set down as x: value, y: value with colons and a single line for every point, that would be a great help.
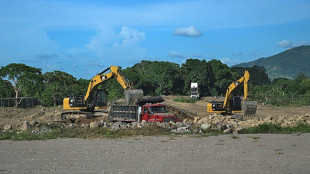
x: 95, y: 99
x: 233, y: 104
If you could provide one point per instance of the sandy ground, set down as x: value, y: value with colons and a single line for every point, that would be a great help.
x: 164, y: 154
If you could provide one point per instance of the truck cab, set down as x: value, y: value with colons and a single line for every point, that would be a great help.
x: 157, y: 113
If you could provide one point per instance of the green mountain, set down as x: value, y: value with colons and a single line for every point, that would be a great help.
x: 287, y: 64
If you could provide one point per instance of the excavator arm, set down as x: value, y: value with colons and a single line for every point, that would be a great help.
x: 231, y: 88
x: 102, y: 77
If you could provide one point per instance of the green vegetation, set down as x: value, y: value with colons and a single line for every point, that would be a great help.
x: 83, y: 133
x: 288, y: 64
x: 269, y: 128
x: 152, y: 130
x: 158, y: 78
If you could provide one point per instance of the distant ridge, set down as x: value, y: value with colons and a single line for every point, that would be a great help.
x: 287, y: 64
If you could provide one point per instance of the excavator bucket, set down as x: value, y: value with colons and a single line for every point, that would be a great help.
x: 249, y: 108
x: 133, y: 95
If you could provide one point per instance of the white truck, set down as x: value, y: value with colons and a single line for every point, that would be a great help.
x: 194, y: 90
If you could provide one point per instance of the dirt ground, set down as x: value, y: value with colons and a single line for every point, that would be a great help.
x: 164, y: 154
x: 14, y: 116
x: 200, y: 108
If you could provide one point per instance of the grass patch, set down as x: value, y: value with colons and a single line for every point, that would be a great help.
x: 234, y: 137
x: 83, y: 133
x: 254, y: 137
x: 185, y: 100
x: 278, y: 151
x: 268, y: 128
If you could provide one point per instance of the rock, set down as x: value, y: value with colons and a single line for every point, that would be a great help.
x: 203, y: 120
x: 196, y: 120
x: 106, y: 124
x: 181, y: 130
x: 211, y: 116
x: 195, y: 131
x: 178, y: 124
x: 93, y: 125
x: 84, y: 125
x: 7, y: 127
x: 33, y: 123
x: 70, y: 125
x: 158, y: 124
x: 205, y: 126
x: 118, y: 126
x: 220, y: 126
x: 139, y: 125
x: 227, y: 131
x: 165, y: 125
x: 144, y: 123
x: 268, y: 119
x: 25, y: 126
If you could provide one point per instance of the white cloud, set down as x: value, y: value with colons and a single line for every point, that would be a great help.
x: 129, y: 36
x: 173, y: 54
x: 289, y: 44
x: 117, y: 48
x: 189, y: 32
x: 285, y: 43
x: 229, y: 61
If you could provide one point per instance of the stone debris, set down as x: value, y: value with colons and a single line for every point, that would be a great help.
x: 7, y: 127
x: 181, y: 130
x: 25, y: 126
x: 93, y: 125
x: 214, y: 122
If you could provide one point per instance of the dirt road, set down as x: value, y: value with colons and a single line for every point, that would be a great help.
x: 166, y: 154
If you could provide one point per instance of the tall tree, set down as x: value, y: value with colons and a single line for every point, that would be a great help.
x: 26, y: 80
x: 6, y: 89
x: 195, y: 70
x: 57, y: 85
x: 221, y: 77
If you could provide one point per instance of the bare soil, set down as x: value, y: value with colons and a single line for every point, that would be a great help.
x: 269, y: 153
x: 200, y: 108
x: 15, y: 116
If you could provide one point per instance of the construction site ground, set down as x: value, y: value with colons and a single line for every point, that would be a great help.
x: 199, y: 108
x: 15, y: 116
x: 243, y: 153
x: 269, y: 153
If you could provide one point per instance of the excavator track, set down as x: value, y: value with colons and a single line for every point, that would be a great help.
x: 73, y: 115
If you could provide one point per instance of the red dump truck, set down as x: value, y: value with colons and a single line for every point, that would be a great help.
x: 149, y: 109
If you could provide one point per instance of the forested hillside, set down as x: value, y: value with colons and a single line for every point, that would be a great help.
x: 288, y: 64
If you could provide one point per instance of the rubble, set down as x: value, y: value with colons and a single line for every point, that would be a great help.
x: 25, y: 126
x: 7, y: 127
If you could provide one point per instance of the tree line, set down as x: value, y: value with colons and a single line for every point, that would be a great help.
x: 153, y: 77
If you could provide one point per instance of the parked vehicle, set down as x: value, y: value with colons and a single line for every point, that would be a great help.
x: 150, y: 109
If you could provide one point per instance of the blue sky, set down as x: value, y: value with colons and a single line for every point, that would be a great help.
x: 84, y: 37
